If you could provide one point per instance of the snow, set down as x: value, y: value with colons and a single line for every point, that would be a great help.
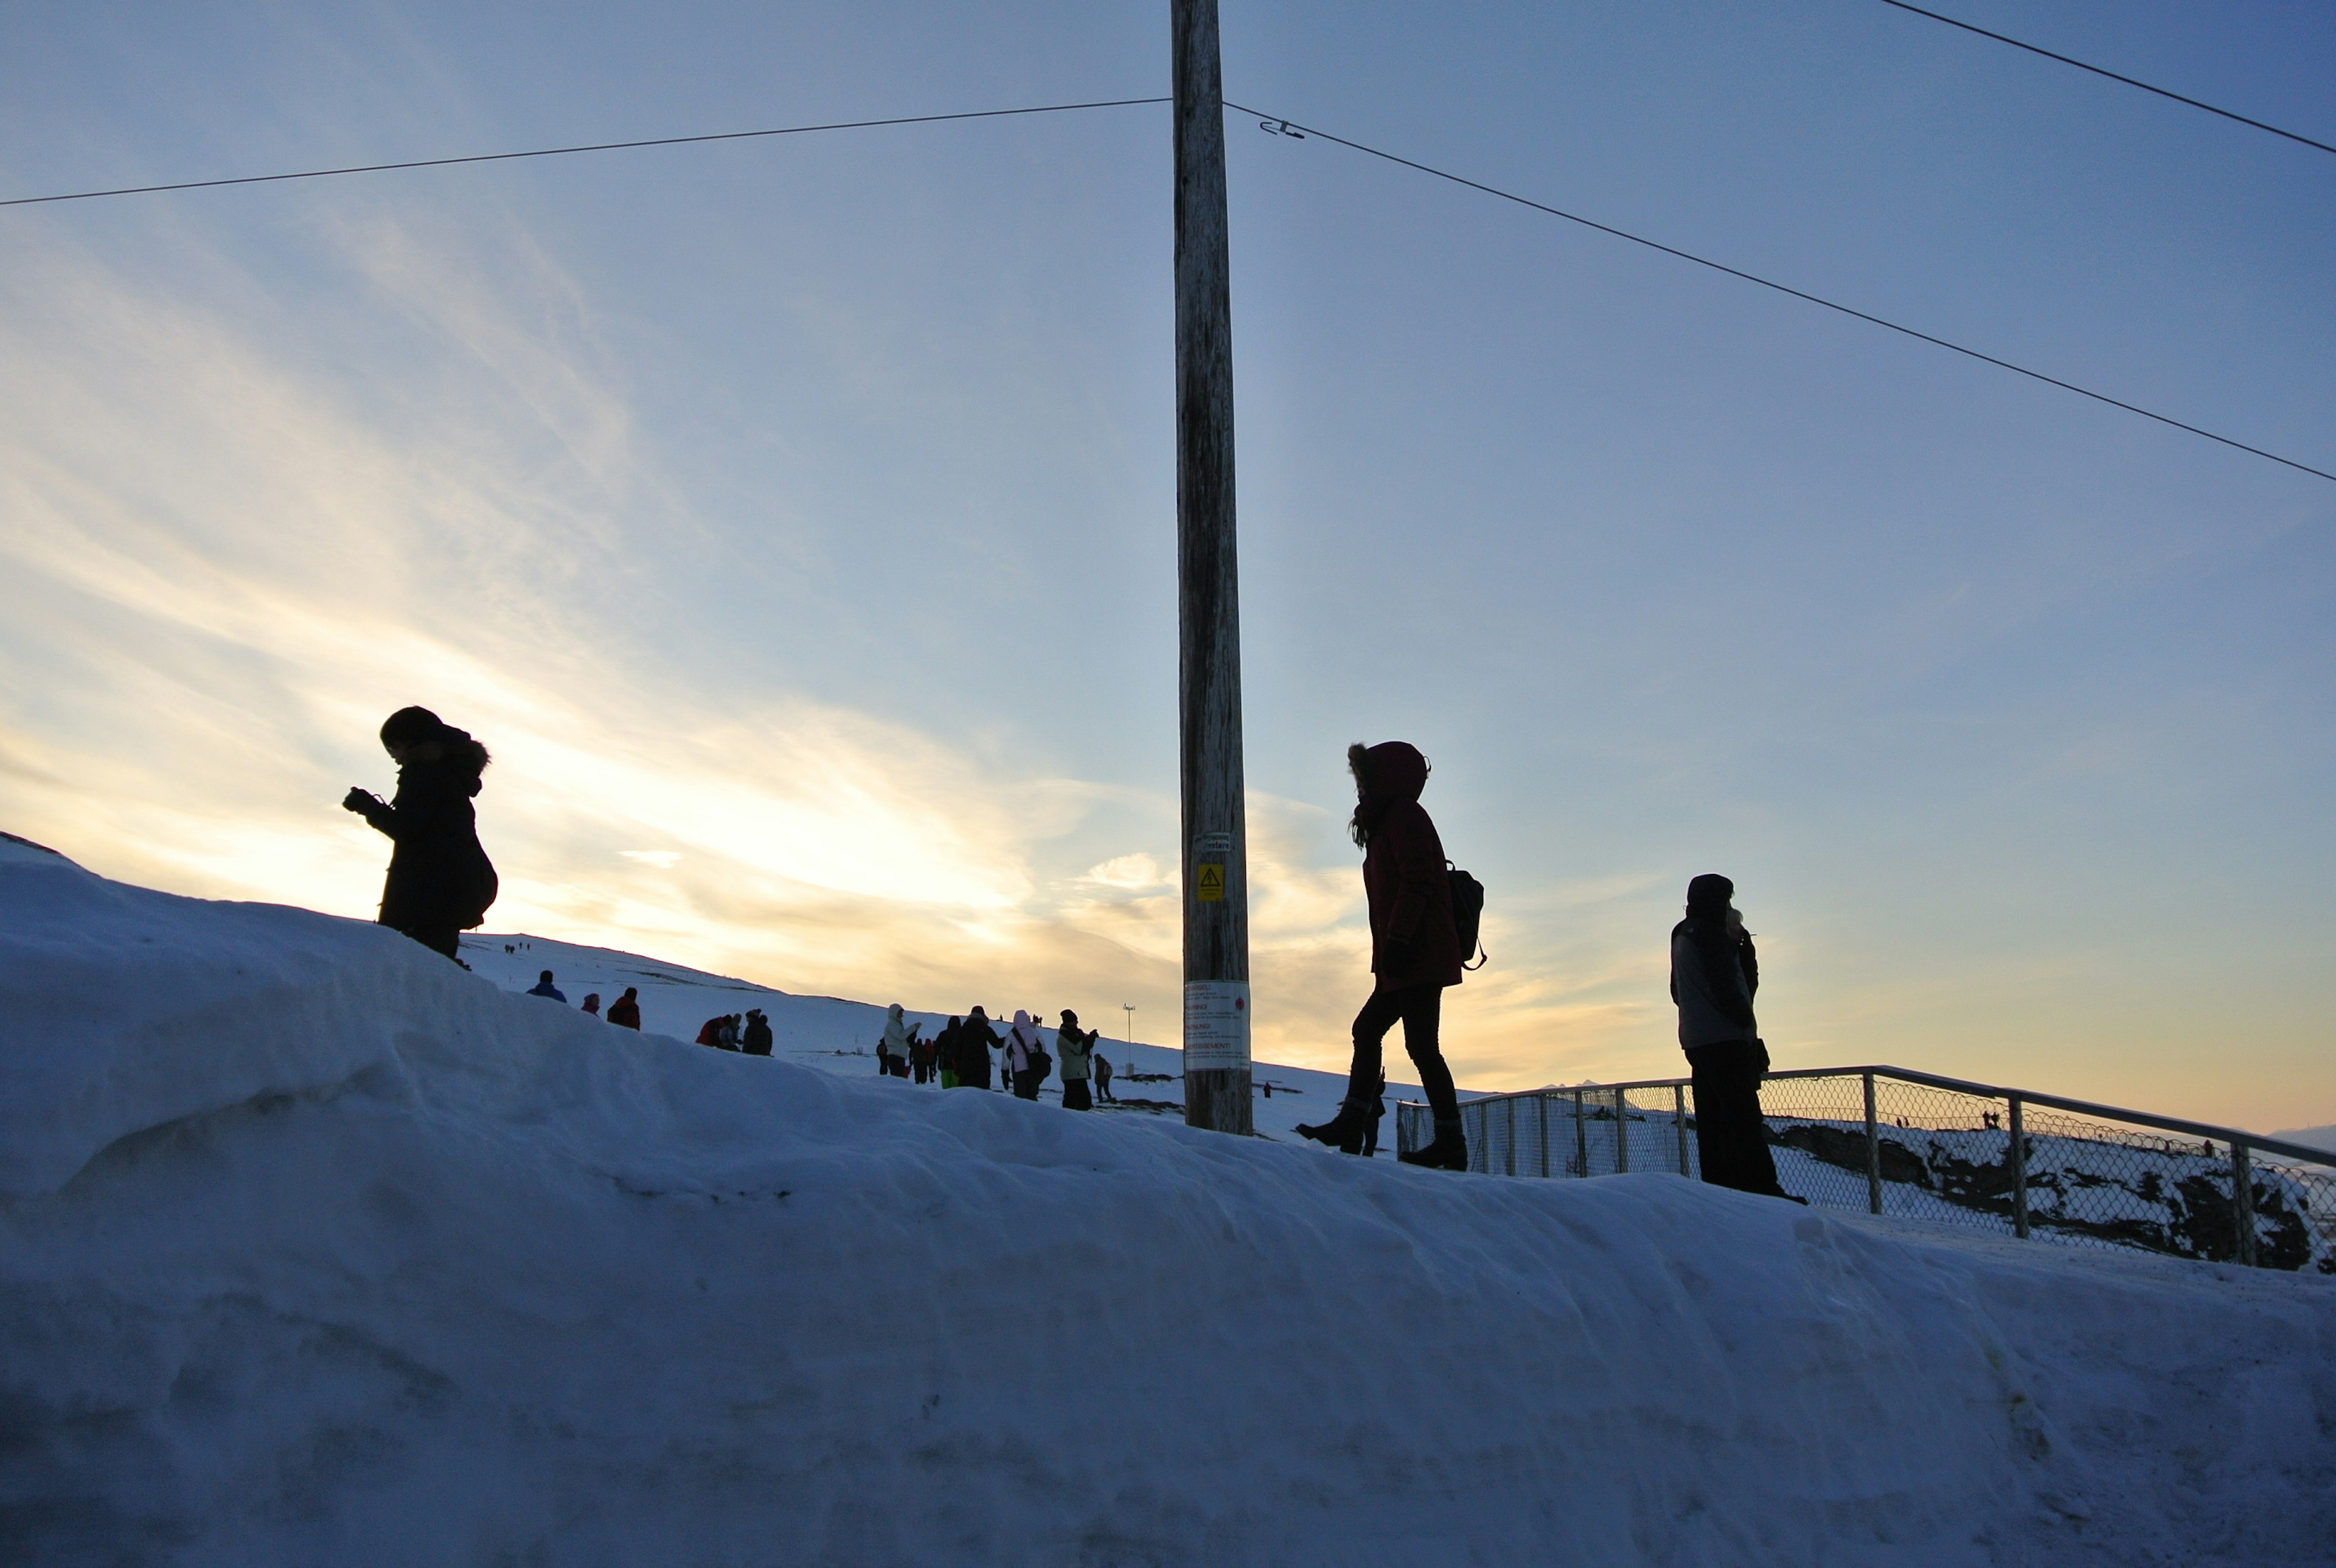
x: 315, y: 1249
x: 2311, y: 1137
x: 839, y: 1036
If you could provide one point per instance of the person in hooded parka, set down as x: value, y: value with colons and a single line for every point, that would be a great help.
x: 974, y: 1040
x: 1415, y: 951
x: 945, y: 1050
x: 440, y: 882
x: 1715, y: 975
x: 1074, y: 1046
x: 1022, y: 1047
x: 894, y: 1048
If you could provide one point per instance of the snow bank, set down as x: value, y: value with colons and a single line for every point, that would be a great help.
x: 319, y: 1250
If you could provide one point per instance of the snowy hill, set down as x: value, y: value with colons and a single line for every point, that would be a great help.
x: 316, y: 1250
x: 839, y: 1036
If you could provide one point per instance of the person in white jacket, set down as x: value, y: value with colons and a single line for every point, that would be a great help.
x: 895, y: 1045
x: 1021, y: 1045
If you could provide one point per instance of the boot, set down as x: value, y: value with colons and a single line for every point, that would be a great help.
x: 1343, y: 1132
x: 1449, y: 1152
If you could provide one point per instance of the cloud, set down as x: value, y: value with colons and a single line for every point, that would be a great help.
x: 234, y: 557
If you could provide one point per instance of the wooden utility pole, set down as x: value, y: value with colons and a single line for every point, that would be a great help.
x: 1216, y: 839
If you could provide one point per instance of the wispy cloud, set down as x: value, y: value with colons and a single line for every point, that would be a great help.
x: 236, y: 560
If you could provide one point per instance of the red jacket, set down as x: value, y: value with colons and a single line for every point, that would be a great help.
x: 1414, y: 942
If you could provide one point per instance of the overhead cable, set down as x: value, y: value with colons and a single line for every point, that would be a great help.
x: 1290, y: 128
x: 2112, y: 75
x: 593, y: 147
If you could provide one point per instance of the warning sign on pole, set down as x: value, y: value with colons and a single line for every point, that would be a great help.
x: 1216, y: 1026
x: 1209, y: 884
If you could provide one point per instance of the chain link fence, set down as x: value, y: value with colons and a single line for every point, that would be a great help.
x: 1923, y: 1147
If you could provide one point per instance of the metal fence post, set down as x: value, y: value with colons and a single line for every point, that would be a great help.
x: 2243, y: 1201
x: 2018, y: 1158
x: 1678, y: 1123
x: 1873, y: 1153
x: 1621, y: 1131
x: 1580, y: 1137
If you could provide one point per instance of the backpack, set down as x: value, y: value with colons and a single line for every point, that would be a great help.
x: 1467, y: 915
x: 480, y: 896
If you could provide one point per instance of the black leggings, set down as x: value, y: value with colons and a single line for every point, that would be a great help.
x: 1421, y: 1009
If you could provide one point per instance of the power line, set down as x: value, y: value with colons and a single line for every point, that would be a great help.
x: 594, y: 146
x: 2112, y: 75
x: 1292, y: 128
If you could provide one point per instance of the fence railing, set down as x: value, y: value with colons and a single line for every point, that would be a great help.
x: 1914, y: 1144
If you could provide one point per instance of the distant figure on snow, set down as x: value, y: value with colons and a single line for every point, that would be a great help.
x: 1101, y: 1075
x: 625, y: 1012
x: 1415, y: 951
x: 892, y: 1050
x: 755, y: 1040
x: 1715, y: 974
x: 544, y: 987
x: 945, y: 1049
x: 592, y: 1004
x: 440, y: 882
x: 974, y: 1043
x: 1073, y: 1045
x: 1024, y: 1056
x: 920, y: 1056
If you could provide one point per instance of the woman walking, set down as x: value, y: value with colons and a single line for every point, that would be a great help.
x: 1415, y: 951
x: 440, y: 882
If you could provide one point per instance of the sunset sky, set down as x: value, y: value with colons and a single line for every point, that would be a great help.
x: 795, y: 518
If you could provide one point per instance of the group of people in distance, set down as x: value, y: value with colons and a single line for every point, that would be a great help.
x: 441, y: 883
x: 747, y: 1033
x: 625, y: 1012
x: 958, y: 1056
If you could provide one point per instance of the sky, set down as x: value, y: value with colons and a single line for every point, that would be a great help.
x: 795, y: 518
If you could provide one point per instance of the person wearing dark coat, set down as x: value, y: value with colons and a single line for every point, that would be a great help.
x: 1415, y: 951
x: 945, y: 1049
x: 755, y: 1040
x: 974, y: 1040
x: 440, y: 882
x: 625, y: 1011
x: 1715, y: 974
x: 544, y: 987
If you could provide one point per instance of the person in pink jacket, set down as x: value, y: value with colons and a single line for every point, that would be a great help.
x: 1414, y: 950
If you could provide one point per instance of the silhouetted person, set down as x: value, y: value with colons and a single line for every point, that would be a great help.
x: 592, y: 1004
x: 755, y: 1039
x: 440, y: 882
x: 544, y: 987
x: 1415, y: 951
x: 975, y: 1040
x: 1715, y: 974
x: 625, y: 1011
x: 1102, y: 1076
x: 945, y: 1049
